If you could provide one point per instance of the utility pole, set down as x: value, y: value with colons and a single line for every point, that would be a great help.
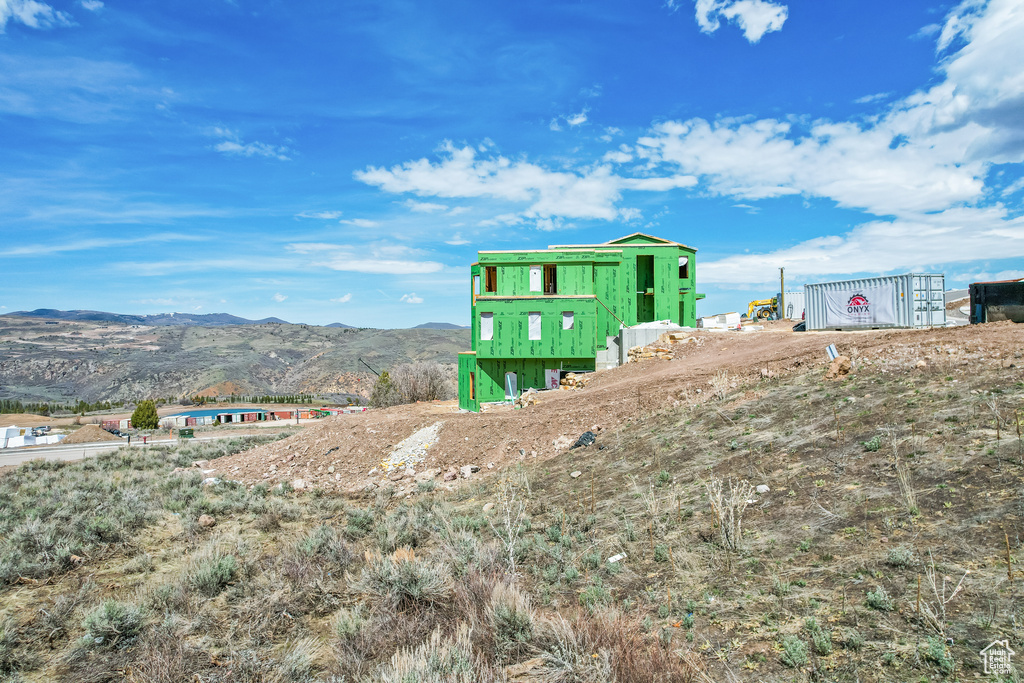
x: 782, y: 293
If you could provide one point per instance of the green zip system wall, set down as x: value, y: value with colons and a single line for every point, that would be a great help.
x: 556, y: 308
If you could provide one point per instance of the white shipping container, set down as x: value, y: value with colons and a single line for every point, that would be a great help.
x: 909, y: 300
x: 793, y: 307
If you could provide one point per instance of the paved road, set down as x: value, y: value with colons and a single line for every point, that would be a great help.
x: 80, y: 451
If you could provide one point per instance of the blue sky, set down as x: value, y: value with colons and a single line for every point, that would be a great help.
x: 325, y: 162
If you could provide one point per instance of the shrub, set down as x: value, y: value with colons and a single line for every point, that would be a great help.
x: 359, y: 523
x: 595, y: 594
x: 424, y: 381
x: 348, y: 624
x: 879, y: 599
x: 209, y: 575
x: 403, y: 580
x: 512, y: 620
x: 113, y: 624
x: 820, y: 638
x: 438, y: 660
x: 853, y: 641
x: 937, y: 653
x: 8, y: 641
x: 794, y: 652
x: 326, y: 544
x: 900, y: 557
x: 872, y: 444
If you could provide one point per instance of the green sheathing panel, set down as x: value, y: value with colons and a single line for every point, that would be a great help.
x: 511, y: 328
x: 467, y: 366
x: 475, y: 287
x: 529, y: 373
x: 575, y: 278
x: 638, y: 238
x: 608, y: 287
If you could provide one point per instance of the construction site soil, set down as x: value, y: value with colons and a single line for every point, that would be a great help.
x: 345, y: 453
x: 90, y: 434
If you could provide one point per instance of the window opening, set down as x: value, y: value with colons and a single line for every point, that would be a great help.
x: 567, y: 320
x: 486, y: 326
x: 472, y: 386
x: 684, y: 267
x: 536, y: 279
x: 550, y: 279
x: 534, y: 325
x: 491, y: 279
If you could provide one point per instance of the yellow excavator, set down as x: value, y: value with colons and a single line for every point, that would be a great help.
x: 763, y: 309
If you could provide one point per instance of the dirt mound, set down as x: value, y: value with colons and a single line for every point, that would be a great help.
x: 343, y: 452
x: 90, y: 434
x: 226, y: 388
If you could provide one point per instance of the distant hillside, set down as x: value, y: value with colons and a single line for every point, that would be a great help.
x: 341, y: 325
x: 63, y: 361
x: 440, y: 326
x: 204, y: 320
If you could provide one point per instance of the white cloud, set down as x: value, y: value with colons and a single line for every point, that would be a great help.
x: 424, y: 207
x: 383, y: 258
x: 572, y: 120
x: 883, y: 246
x: 754, y: 17
x: 326, y: 215
x: 458, y: 210
x: 588, y: 193
x: 279, y: 297
x: 623, y: 155
x: 91, y: 5
x: 87, y: 243
x: 577, y: 119
x: 411, y: 298
x: 32, y: 14
x: 343, y: 299
x: 360, y: 222
x: 868, y: 99
x: 456, y: 240
x: 259, y: 149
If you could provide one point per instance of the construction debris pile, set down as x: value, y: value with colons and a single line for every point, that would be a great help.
x: 573, y: 380
x: 651, y: 351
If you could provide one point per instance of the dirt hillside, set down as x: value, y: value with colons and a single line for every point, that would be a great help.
x: 341, y: 453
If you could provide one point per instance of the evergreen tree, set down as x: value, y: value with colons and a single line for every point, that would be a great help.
x: 145, y: 416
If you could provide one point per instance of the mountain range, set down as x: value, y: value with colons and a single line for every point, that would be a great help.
x: 197, y: 319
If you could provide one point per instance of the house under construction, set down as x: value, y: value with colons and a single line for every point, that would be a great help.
x: 538, y: 313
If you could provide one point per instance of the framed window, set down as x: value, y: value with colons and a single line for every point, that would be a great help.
x: 536, y: 279
x: 534, y: 325
x: 490, y: 279
x: 550, y: 279
x: 472, y: 386
x: 486, y: 326
x: 568, y: 320
x: 684, y: 267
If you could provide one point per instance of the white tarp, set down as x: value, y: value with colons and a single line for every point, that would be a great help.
x: 551, y: 378
x: 860, y: 306
x: 486, y: 326
x: 536, y: 278
x: 534, y: 326
x: 567, y: 320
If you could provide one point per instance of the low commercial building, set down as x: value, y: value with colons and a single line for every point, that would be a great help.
x: 198, y: 418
